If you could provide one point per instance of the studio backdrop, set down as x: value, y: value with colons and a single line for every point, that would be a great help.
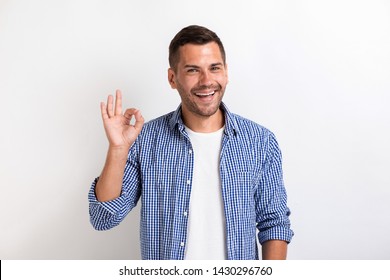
x: 316, y: 73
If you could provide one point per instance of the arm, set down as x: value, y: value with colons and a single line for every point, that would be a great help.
x: 121, y: 135
x: 109, y: 185
x: 271, y: 209
x: 274, y: 250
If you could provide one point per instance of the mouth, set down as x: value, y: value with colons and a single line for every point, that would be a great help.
x: 204, y: 94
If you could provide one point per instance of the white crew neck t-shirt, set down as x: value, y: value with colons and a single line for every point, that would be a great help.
x: 206, y: 233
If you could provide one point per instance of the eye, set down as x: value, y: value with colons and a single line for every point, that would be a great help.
x: 192, y: 70
x: 215, y: 68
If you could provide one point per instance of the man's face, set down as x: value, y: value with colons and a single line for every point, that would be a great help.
x: 200, y: 78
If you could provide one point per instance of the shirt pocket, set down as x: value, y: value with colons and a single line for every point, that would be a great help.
x: 239, y: 193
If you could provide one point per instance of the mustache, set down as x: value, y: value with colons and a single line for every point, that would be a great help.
x: 202, y: 88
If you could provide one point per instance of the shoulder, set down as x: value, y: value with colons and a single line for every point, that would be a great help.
x: 254, y: 141
x: 154, y: 132
x: 253, y: 136
x: 157, y: 124
x: 249, y: 128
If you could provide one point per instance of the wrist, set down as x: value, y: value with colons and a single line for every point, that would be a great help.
x: 118, y: 152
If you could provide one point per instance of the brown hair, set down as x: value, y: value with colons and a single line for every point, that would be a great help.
x: 193, y: 34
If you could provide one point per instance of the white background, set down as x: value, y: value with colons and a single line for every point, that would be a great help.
x: 314, y: 72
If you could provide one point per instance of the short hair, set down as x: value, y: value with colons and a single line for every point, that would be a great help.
x: 193, y: 34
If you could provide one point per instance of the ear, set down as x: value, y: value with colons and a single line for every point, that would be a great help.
x: 172, y: 78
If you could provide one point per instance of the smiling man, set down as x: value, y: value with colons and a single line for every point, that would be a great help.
x: 199, y: 73
x: 209, y: 181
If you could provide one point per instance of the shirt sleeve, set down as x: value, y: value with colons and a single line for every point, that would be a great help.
x: 108, y: 214
x: 272, y: 213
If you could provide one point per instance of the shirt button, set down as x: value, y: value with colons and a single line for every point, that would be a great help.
x: 185, y: 213
x: 182, y: 244
x: 190, y: 152
x: 188, y: 182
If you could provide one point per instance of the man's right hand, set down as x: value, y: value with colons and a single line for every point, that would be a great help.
x: 120, y: 132
x: 121, y: 135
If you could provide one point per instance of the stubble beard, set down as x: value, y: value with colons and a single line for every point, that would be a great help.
x: 188, y: 100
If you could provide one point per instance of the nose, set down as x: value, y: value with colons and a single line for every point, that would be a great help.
x: 205, y: 79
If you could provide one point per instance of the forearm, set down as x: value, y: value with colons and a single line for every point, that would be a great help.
x: 110, y: 181
x: 274, y: 250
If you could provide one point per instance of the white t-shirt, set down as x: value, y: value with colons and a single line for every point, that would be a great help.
x: 206, y: 233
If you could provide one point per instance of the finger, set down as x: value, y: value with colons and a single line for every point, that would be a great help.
x: 110, y: 106
x: 129, y: 113
x: 103, y: 109
x: 118, y: 103
x: 139, y: 120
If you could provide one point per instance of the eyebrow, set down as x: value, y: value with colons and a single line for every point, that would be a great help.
x: 191, y: 66
x: 197, y: 67
x: 217, y: 64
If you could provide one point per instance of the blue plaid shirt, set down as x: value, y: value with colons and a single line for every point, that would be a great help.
x: 159, y: 170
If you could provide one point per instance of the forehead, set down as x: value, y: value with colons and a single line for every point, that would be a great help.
x: 200, y: 54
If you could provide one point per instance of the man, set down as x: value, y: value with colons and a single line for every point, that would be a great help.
x: 206, y: 178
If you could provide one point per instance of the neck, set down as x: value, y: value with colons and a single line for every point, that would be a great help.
x: 203, y: 124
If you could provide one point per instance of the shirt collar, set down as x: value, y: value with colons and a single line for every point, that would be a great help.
x: 231, y: 127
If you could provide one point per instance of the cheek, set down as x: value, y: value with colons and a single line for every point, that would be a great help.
x: 222, y: 81
x: 188, y: 83
x: 182, y: 89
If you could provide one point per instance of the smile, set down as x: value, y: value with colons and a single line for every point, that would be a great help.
x: 204, y: 94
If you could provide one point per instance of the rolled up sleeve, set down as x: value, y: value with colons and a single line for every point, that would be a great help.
x: 108, y: 214
x: 272, y: 213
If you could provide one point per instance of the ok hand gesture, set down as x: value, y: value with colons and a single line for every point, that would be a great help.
x: 120, y: 132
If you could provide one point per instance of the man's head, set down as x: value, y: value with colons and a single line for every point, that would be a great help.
x: 193, y: 34
x: 199, y: 73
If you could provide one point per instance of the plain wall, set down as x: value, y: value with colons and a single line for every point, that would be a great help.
x: 317, y: 73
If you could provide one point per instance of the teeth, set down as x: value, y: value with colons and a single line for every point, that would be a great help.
x: 204, y: 94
